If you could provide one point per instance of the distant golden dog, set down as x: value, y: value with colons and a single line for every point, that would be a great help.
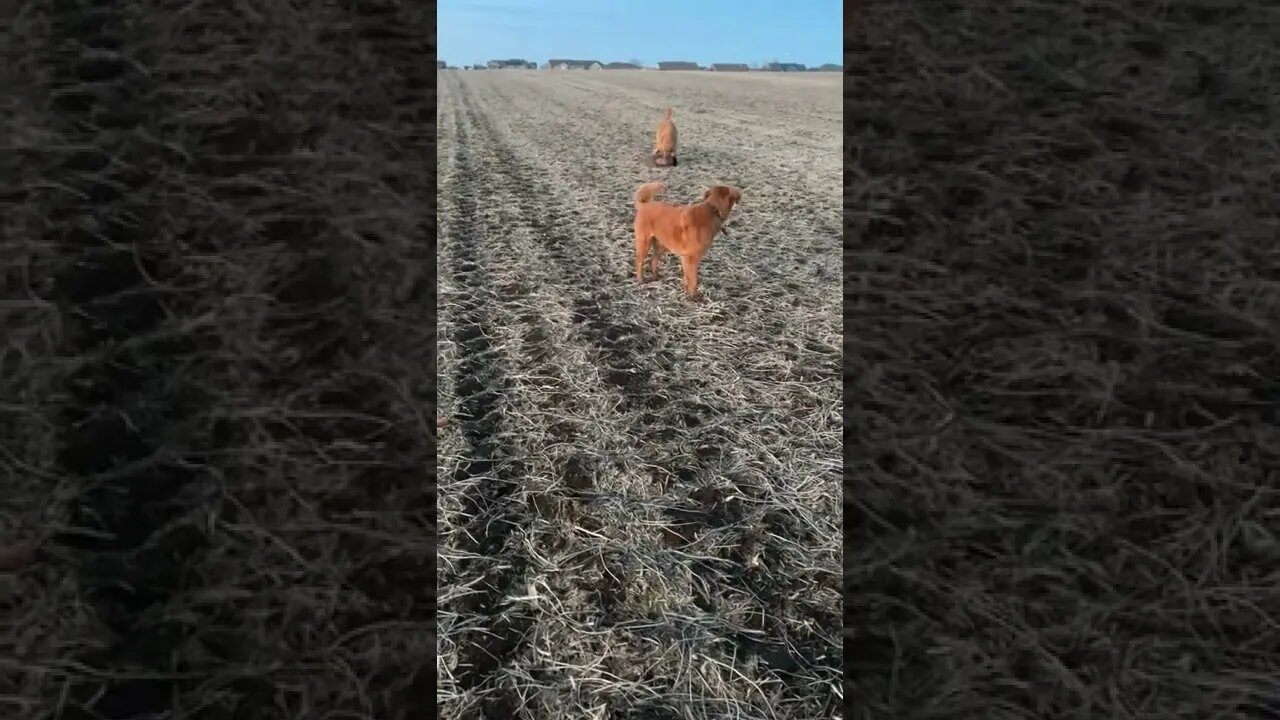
x: 685, y: 230
x: 664, y: 142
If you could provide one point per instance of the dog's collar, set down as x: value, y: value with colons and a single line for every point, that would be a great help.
x: 723, y: 229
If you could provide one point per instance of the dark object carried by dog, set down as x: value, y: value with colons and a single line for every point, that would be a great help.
x: 659, y: 159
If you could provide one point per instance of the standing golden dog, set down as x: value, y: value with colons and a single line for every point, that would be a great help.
x: 664, y: 142
x: 685, y: 230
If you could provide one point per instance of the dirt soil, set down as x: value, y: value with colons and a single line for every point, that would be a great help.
x: 639, y: 496
x: 1063, y: 349
x: 216, y: 367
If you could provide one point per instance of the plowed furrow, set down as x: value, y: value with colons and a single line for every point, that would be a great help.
x: 561, y: 414
x: 619, y: 342
x: 488, y: 476
x: 529, y: 298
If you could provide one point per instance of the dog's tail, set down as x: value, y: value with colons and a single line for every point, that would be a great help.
x: 667, y: 114
x: 647, y: 191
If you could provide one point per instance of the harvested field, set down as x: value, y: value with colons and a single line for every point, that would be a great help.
x: 1063, y: 354
x: 639, y: 502
x: 216, y: 361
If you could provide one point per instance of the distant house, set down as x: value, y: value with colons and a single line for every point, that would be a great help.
x: 678, y: 65
x: 828, y: 67
x: 729, y: 67
x: 621, y: 66
x: 574, y: 64
x: 514, y: 63
x: 784, y: 67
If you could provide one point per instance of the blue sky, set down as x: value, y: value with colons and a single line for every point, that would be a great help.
x: 704, y: 31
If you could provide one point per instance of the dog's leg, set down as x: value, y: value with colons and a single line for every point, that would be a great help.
x: 690, y: 266
x: 654, y: 257
x: 642, y: 249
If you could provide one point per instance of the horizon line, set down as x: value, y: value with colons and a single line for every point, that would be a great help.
x: 655, y: 62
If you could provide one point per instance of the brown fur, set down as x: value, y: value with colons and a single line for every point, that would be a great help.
x: 684, y: 230
x: 664, y: 142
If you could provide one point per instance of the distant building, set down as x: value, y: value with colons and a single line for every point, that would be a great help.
x: 784, y: 67
x: 828, y: 67
x: 442, y: 65
x: 574, y: 64
x: 514, y: 63
x: 678, y: 65
x: 621, y: 66
x: 729, y: 67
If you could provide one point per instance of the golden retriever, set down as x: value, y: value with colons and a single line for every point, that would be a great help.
x: 664, y: 142
x: 685, y: 230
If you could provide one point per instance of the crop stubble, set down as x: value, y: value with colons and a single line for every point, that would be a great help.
x: 639, y: 509
x: 1063, y: 361
x: 216, y: 363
